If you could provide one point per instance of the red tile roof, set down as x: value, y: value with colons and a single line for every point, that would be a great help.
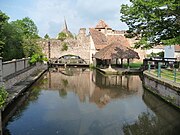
x: 118, y: 38
x: 99, y: 38
x: 177, y: 48
x: 116, y: 50
x: 101, y: 25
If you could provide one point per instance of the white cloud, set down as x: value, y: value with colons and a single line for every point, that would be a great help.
x: 49, y: 15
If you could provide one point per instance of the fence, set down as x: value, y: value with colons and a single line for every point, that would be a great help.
x: 14, y: 66
x: 169, y: 72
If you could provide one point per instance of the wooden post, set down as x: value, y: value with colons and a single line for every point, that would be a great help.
x: 128, y: 63
x: 110, y: 63
x: 121, y: 62
x: 174, y: 74
x: 49, y: 49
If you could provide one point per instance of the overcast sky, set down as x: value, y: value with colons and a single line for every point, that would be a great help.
x: 49, y: 15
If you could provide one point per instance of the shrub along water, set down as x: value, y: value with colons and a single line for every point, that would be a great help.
x: 3, y: 96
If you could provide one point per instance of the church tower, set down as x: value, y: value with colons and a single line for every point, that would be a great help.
x: 65, y: 28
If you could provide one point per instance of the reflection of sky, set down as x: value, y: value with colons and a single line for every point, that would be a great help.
x: 53, y: 113
x: 70, y: 115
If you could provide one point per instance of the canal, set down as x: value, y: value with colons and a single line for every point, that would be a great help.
x: 77, y: 101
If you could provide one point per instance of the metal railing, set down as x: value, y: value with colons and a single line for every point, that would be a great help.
x: 169, y: 73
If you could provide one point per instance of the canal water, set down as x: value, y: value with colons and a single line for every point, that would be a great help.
x: 77, y: 101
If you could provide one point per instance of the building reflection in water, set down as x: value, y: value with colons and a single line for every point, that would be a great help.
x: 92, y: 85
x: 108, y: 105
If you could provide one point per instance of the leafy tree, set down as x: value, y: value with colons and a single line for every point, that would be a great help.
x: 156, y: 21
x: 46, y: 36
x: 62, y: 36
x: 18, y: 38
x: 11, y: 47
x: 29, y: 33
x: 30, y: 47
x: 27, y: 27
x: 3, y: 20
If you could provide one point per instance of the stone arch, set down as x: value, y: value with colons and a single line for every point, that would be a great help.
x: 70, y: 59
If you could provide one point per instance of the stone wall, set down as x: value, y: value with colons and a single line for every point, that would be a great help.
x: 79, y: 47
x: 168, y: 91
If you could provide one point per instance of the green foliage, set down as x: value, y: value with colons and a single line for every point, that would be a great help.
x: 30, y: 47
x: 157, y: 21
x: 18, y: 39
x: 27, y: 27
x: 46, y: 36
x: 12, y: 39
x: 3, y: 96
x: 62, y: 36
x: 159, y: 54
x: 37, y: 58
x: 132, y: 65
x: 91, y: 66
x: 64, y: 47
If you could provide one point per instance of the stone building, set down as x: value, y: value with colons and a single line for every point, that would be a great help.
x: 103, y: 35
x: 87, y: 43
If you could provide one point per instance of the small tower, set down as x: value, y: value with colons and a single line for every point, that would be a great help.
x: 65, y: 28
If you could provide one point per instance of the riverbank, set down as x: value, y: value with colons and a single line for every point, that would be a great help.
x: 167, y: 90
x: 119, y: 71
x: 17, y: 89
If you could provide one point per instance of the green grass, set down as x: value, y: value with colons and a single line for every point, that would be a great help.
x: 132, y: 65
x: 168, y: 74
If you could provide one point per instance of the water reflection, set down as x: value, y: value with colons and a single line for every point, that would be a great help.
x: 83, y: 102
x: 164, y: 120
x: 92, y: 85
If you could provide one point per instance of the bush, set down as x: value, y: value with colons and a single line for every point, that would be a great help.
x: 64, y: 47
x: 37, y: 58
x: 3, y: 96
x: 62, y: 36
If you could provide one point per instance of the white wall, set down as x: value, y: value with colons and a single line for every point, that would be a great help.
x: 169, y: 51
x: 92, y: 49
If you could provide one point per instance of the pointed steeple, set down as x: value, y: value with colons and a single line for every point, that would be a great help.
x: 65, y: 27
x: 65, y: 24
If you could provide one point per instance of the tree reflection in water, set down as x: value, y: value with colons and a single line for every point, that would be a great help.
x: 164, y: 121
x: 78, y: 110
